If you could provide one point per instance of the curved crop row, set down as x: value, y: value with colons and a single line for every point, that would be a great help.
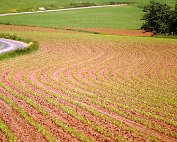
x: 85, y: 87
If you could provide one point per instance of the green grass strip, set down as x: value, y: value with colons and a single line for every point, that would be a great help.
x: 31, y: 48
x: 39, y: 127
x: 4, y: 128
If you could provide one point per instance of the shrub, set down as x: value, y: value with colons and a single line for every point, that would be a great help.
x: 13, y: 10
x: 173, y: 25
x: 160, y: 18
x: 82, y: 4
x: 10, y: 36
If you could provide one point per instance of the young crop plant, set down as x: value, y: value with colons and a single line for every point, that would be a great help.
x: 70, y: 112
x: 77, y: 96
x: 72, y: 131
x: 138, y: 120
x: 88, y: 87
x: 4, y: 128
x: 24, y: 114
x: 99, y: 129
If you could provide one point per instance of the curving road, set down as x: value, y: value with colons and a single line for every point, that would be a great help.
x: 7, y: 45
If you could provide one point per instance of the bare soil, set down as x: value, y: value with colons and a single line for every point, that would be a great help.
x: 117, y: 79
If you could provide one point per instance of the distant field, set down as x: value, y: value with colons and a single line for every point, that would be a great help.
x: 127, y: 17
x: 30, y: 5
x: 113, y: 17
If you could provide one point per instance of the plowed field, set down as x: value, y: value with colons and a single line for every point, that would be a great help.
x: 89, y: 87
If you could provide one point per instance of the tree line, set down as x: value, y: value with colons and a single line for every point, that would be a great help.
x: 160, y: 18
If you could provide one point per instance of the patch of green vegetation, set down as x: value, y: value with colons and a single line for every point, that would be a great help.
x: 31, y: 48
x: 4, y: 128
x: 127, y: 17
x: 65, y: 127
x: 71, y: 131
x: 33, y: 5
x: 141, y: 95
x: 160, y: 18
x: 12, y: 37
x: 1, y: 46
x: 111, y: 17
x: 31, y: 121
x: 164, y: 36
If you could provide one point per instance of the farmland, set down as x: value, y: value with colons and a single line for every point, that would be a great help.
x: 128, y: 17
x: 32, y: 5
x: 90, y: 77
x: 89, y: 87
x: 84, y: 18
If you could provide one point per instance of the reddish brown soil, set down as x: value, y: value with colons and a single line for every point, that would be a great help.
x: 3, y: 137
x: 108, y: 126
x: 96, y: 30
x: 129, y: 82
x: 38, y: 117
x: 18, y: 125
x: 116, y: 31
x: 31, y: 29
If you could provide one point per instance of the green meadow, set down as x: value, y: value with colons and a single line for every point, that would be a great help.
x: 127, y: 17
x: 31, y: 5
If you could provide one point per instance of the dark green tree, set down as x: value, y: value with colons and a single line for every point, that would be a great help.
x: 158, y: 18
x: 173, y: 23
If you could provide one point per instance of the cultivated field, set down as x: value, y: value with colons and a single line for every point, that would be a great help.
x: 33, y: 5
x: 89, y: 87
x: 124, y: 17
x: 85, y: 86
x: 83, y: 18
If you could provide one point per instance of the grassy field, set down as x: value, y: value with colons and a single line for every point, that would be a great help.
x: 30, y: 5
x: 127, y: 17
x: 111, y: 18
x: 88, y: 87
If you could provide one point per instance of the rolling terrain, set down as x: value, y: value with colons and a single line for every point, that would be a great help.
x: 94, y: 77
x: 89, y: 87
x: 83, y: 18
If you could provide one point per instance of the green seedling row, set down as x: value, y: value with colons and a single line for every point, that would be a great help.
x: 68, y: 129
x: 24, y: 114
x: 5, y: 129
